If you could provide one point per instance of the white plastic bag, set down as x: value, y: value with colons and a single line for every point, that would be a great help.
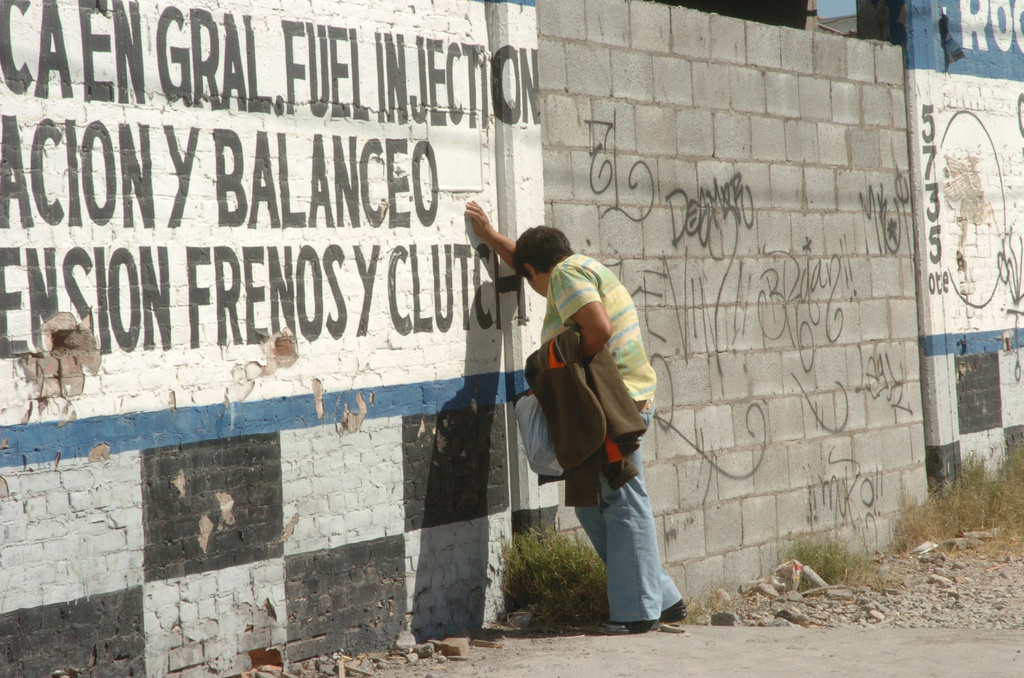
x: 533, y: 427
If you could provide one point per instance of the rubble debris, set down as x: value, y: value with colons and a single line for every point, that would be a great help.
x: 923, y: 548
x: 811, y: 576
x: 454, y: 647
x: 724, y: 619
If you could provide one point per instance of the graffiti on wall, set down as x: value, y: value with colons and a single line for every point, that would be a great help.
x: 717, y: 294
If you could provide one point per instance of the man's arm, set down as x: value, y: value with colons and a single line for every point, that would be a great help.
x: 595, y: 327
x: 503, y: 245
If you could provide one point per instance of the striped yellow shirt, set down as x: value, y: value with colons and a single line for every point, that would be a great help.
x: 577, y: 281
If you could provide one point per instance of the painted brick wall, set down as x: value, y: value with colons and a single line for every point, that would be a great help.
x: 750, y: 184
x: 967, y: 135
x: 254, y: 367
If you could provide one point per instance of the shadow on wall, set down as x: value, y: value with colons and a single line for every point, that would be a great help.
x: 455, y: 477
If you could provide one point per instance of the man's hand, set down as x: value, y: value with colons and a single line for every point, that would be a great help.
x: 482, y: 229
x: 478, y: 218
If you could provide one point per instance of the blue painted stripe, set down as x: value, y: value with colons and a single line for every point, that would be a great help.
x: 968, y: 343
x: 34, y: 444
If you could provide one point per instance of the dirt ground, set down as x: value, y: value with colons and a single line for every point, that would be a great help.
x: 718, y: 652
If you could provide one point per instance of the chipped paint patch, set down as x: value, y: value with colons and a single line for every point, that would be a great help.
x: 99, y: 453
x: 180, y: 482
x: 6, y: 492
x: 227, y: 505
x: 69, y: 351
x: 205, y: 530
x: 351, y: 421
x: 289, y: 529
x: 281, y: 350
x: 318, y: 398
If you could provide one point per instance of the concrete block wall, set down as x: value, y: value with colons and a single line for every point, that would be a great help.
x: 966, y: 140
x: 750, y: 185
x: 254, y: 366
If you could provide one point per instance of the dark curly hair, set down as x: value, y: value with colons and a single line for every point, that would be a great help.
x: 541, y: 247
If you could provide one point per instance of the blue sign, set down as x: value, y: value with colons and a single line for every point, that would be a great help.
x: 989, y: 33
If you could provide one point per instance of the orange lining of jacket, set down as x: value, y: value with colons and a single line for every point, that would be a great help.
x: 611, y: 449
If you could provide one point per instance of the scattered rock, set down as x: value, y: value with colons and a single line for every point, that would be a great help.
x: 792, y: 617
x: 940, y: 580
x: 840, y: 594
x: 406, y: 642
x: 794, y: 596
x: 454, y: 647
x: 875, y: 615
x: 722, y: 596
x: 724, y: 619
x: 767, y: 590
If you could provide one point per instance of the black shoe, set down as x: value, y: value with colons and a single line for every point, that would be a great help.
x: 626, y: 628
x: 673, y: 613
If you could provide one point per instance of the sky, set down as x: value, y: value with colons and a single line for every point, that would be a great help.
x: 833, y: 8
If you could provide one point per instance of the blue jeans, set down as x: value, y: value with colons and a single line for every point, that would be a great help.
x: 621, y: 528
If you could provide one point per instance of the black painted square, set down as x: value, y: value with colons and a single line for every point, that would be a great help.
x: 184, y: 494
x: 978, y: 398
x: 454, y: 465
x: 942, y: 463
x: 101, y: 637
x: 351, y: 598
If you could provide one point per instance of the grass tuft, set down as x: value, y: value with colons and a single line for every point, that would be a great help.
x: 834, y: 561
x: 977, y: 500
x: 559, y: 574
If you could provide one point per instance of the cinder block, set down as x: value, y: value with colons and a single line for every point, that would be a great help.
x: 690, y: 380
x: 885, y: 278
x: 632, y: 76
x: 650, y: 26
x: 899, y: 108
x: 763, y: 45
x: 551, y: 64
x: 772, y: 470
x: 695, y: 133
x: 821, y: 188
x: 691, y: 33
x: 846, y: 104
x: 903, y: 318
x: 723, y: 527
x: 622, y: 236
x: 768, y: 138
x: 728, y: 40
x: 797, y: 51
x: 684, y: 536
x: 874, y: 319
x: 889, y: 64
x: 759, y: 520
x: 832, y: 145
x: 742, y: 565
x: 830, y: 55
x: 860, y: 60
x: 564, y: 121
x: 607, y: 22
x: 732, y: 136
x: 747, y: 90
x: 792, y: 510
x: 622, y: 137
x: 578, y: 222
x: 735, y: 469
x: 673, y: 82
x: 864, y: 148
x: 561, y: 19
x: 782, y: 94
x: 711, y: 85
x: 815, y: 101
x: 802, y: 141
x: 704, y: 575
x: 785, y: 418
x: 787, y: 187
x: 877, y: 104
x: 589, y: 69
x: 662, y: 487
x: 658, y: 136
x: 893, y: 145
x: 557, y: 175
